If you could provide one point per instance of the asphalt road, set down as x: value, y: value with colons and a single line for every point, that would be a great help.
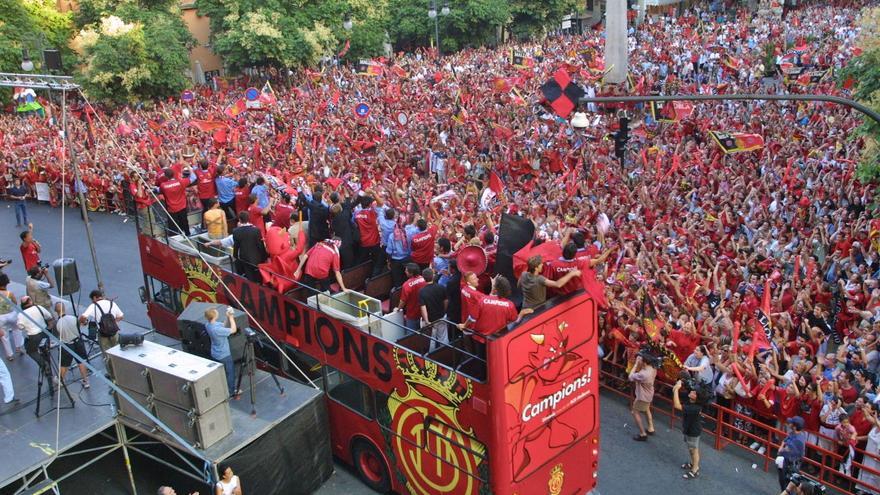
x: 625, y: 468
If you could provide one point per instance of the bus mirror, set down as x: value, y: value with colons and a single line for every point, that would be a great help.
x: 143, y: 293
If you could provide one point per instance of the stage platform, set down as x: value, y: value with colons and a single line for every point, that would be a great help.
x: 29, y: 441
x: 289, y: 429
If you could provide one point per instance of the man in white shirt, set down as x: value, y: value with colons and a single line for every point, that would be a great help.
x: 68, y: 332
x: 92, y: 315
x: 31, y: 321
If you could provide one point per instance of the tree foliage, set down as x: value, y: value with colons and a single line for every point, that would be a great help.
x: 865, y: 71
x: 33, y: 25
x: 469, y: 23
x: 531, y: 18
x: 134, y: 51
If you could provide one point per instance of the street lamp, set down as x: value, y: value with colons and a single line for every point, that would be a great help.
x: 27, y: 64
x: 432, y: 14
x: 347, y: 24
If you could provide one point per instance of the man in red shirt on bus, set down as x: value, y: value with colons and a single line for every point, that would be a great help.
x: 367, y: 220
x: 319, y: 261
x: 174, y: 192
x: 493, y: 313
x: 283, y: 211
x: 409, y: 297
x: 30, y: 248
x: 242, y: 195
x: 423, y: 243
x: 205, y: 175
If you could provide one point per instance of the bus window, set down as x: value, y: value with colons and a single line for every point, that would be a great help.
x: 349, y: 392
x: 306, y: 364
x: 163, y: 294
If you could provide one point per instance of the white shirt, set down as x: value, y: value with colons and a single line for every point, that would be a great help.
x: 229, y: 487
x: 35, y: 313
x: 93, y: 314
x: 68, y: 331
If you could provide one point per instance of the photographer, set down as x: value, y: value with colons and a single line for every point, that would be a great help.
x: 789, y: 457
x: 38, y: 283
x: 800, y: 485
x: 220, y: 351
x: 643, y: 375
x: 691, y: 427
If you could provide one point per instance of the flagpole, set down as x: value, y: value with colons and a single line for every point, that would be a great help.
x: 80, y: 195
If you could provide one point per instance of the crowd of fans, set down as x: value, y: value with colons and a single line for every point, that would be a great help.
x: 681, y: 233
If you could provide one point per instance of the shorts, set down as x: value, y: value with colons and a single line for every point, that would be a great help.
x: 78, y: 347
x: 693, y: 443
x: 641, y: 406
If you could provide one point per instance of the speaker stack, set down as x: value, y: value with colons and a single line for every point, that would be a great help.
x: 67, y: 276
x: 186, y: 392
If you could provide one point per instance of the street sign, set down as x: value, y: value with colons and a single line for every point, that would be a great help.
x: 362, y: 110
x: 187, y: 96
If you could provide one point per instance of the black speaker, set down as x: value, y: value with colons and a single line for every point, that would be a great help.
x: 194, y: 337
x: 52, y: 59
x: 66, y: 276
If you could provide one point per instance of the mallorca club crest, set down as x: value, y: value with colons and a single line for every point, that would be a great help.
x: 424, y: 416
x: 201, y: 282
x: 557, y: 478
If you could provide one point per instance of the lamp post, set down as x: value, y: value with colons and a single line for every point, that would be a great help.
x: 432, y: 14
x: 27, y: 64
x: 347, y: 24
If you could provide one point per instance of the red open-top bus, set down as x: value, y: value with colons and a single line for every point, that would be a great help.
x: 417, y: 420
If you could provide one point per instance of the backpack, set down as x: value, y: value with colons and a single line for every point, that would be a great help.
x: 107, y: 326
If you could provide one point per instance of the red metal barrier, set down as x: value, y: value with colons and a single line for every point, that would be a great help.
x: 818, y: 463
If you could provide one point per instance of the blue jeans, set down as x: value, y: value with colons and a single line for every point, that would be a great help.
x: 21, y: 213
x: 229, y: 367
x: 412, y: 325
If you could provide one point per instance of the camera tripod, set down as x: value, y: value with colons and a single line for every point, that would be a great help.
x: 248, y: 364
x: 47, y: 371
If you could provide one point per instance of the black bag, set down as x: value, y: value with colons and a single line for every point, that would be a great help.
x: 107, y: 326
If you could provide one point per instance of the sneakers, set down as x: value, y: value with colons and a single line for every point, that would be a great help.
x: 754, y: 446
x: 762, y: 450
x: 14, y: 400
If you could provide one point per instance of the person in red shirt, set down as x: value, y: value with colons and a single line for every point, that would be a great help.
x: 174, y: 192
x: 367, y: 221
x: 409, y: 297
x: 470, y: 296
x: 283, y: 211
x: 423, y: 244
x: 30, y: 248
x: 256, y: 213
x: 558, y: 268
x: 242, y: 195
x: 205, y: 175
x: 319, y: 261
x: 494, y: 312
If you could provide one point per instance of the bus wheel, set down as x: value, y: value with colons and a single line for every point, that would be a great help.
x: 371, y: 467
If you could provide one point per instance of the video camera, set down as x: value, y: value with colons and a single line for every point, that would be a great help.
x: 649, y: 358
x: 806, y: 485
x: 705, y: 391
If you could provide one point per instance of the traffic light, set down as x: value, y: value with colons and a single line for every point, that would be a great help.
x: 621, y: 137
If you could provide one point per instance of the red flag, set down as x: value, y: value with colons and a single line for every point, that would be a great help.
x: 220, y: 136
x: 593, y: 286
x: 763, y: 330
x: 345, y: 48
x: 236, y: 108
x: 267, y: 95
x: 849, y: 83
x: 502, y: 133
x: 207, y: 125
x: 495, y: 183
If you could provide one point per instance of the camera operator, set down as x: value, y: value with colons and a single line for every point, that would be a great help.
x: 691, y: 427
x: 220, y: 351
x: 643, y: 375
x: 29, y: 320
x: 38, y: 283
x: 789, y: 458
x: 801, y: 485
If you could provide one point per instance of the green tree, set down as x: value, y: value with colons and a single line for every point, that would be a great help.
x: 531, y: 18
x: 865, y: 71
x: 126, y: 61
x: 469, y: 23
x: 33, y: 25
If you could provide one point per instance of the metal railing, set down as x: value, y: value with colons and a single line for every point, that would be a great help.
x: 818, y: 463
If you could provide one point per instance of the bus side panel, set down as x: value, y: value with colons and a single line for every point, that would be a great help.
x: 545, y: 402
